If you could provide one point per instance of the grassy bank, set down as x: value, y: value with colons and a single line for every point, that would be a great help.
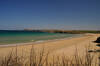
x: 72, y: 31
x: 45, y: 58
x: 66, y: 31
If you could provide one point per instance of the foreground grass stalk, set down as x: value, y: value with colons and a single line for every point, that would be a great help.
x: 43, y: 58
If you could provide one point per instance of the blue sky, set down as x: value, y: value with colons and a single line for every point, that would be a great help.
x: 50, y: 14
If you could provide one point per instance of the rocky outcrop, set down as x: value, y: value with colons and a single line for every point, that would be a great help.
x: 98, y: 40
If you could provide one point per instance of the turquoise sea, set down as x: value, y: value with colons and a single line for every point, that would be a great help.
x: 12, y: 37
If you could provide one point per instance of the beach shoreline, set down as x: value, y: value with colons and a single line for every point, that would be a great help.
x: 58, y: 47
x: 39, y: 42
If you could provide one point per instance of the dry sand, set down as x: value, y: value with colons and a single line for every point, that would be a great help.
x: 58, y: 47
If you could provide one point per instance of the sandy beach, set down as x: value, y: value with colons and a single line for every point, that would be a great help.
x: 58, y: 47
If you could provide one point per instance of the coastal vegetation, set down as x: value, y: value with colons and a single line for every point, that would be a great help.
x: 45, y: 58
x: 59, y: 31
x: 72, y: 31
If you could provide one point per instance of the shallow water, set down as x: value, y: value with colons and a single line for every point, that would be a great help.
x: 11, y: 37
